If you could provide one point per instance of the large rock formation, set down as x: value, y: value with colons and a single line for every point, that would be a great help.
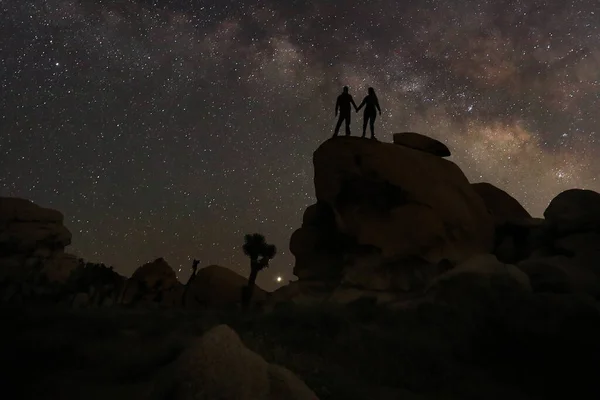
x: 32, y: 243
x: 401, y: 201
x: 393, y: 222
x: 218, y: 287
x: 219, y: 366
x: 386, y: 215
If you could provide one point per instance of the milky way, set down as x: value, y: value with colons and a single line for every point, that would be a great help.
x: 172, y: 128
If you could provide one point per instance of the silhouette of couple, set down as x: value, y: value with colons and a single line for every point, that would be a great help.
x: 370, y: 103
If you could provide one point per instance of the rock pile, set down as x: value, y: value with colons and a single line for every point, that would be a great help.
x: 396, y: 221
x: 219, y: 366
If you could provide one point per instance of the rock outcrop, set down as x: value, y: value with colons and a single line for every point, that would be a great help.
x: 218, y: 287
x: 393, y: 222
x: 32, y: 243
x: 219, y: 366
x: 386, y: 216
x: 400, y: 201
x: 154, y: 283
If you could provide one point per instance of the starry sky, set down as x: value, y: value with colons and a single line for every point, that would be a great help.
x: 172, y: 128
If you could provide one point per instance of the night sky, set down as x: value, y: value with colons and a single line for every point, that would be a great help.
x: 172, y: 128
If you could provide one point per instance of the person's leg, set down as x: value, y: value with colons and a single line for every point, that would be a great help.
x: 348, y: 125
x: 337, y: 127
x: 372, y: 124
x: 365, y: 120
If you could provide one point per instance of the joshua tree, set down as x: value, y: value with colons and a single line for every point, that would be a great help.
x: 260, y: 254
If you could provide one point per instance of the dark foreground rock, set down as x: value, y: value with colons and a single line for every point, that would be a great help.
x: 507, y: 345
x: 219, y: 366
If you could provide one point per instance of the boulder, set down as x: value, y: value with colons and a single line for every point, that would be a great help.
x: 319, y: 215
x: 26, y: 227
x: 420, y: 142
x: 400, y: 201
x: 582, y: 249
x: 32, y: 242
x: 503, y: 207
x: 216, y: 287
x: 517, y: 239
x: 14, y: 209
x: 479, y: 277
x: 219, y: 366
x: 411, y: 274
x: 301, y: 292
x: 574, y: 211
x: 559, y: 274
x: 19, y: 237
x: 154, y: 282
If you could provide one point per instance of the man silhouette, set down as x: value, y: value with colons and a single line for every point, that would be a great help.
x: 342, y: 104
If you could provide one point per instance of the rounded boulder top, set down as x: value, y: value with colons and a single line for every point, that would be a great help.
x: 420, y: 142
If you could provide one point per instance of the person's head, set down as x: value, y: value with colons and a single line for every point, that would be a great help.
x: 371, y: 91
x: 345, y: 89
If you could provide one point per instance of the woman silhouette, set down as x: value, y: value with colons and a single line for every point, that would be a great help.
x: 371, y: 107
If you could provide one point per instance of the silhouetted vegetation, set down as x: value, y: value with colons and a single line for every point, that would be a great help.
x: 260, y: 253
x: 97, y: 280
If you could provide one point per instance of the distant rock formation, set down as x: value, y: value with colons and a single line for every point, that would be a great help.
x: 32, y: 243
x: 218, y: 287
x: 219, y: 366
x: 153, y: 283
